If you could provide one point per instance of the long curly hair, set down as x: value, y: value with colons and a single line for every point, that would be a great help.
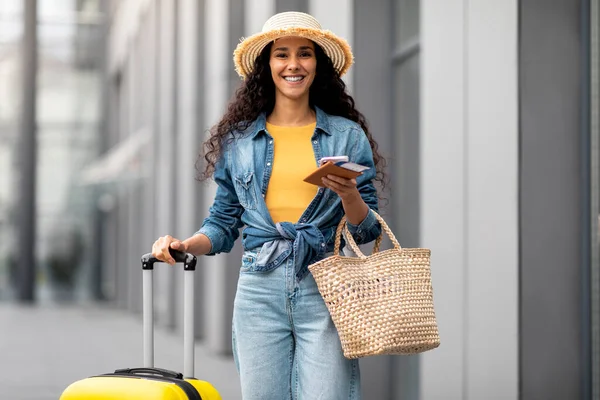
x: 257, y: 95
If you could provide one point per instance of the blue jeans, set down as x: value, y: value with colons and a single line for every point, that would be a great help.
x: 284, y: 342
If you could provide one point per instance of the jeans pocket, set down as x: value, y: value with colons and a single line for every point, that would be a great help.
x: 249, y: 261
x: 245, y: 190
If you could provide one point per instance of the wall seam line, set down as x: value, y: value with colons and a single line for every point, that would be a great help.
x: 465, y: 110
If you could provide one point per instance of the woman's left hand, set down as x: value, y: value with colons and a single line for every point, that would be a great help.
x: 345, y: 188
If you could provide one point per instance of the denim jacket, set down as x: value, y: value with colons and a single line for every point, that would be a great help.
x: 242, y: 175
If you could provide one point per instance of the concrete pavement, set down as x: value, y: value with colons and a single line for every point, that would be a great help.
x: 45, y: 348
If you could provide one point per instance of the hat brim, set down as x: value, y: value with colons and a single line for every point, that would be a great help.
x: 336, y: 48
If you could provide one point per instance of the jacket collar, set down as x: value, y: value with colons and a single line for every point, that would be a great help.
x: 260, y: 125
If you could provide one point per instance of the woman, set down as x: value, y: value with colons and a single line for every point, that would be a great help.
x: 291, y: 110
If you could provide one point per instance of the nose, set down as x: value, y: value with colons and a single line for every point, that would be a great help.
x: 292, y: 63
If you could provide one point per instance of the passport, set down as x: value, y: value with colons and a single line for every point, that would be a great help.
x: 342, y: 169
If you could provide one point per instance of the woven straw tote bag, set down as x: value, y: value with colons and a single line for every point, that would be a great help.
x: 382, y: 303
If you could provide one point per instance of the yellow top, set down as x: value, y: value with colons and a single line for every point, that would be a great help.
x: 293, y: 159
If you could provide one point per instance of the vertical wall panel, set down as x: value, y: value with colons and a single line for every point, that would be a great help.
x: 372, y: 92
x: 107, y: 201
x: 189, y: 138
x: 147, y: 75
x: 491, y: 200
x: 131, y: 226
x: 443, y: 202
x: 338, y: 17
x: 127, y: 226
x: 216, y: 78
x: 404, y: 159
x: 469, y: 196
x: 121, y: 193
x: 256, y: 13
x: 164, y: 153
x: 595, y: 193
x: 550, y: 80
x: 232, y: 260
x: 372, y: 70
x: 237, y: 30
x: 291, y: 5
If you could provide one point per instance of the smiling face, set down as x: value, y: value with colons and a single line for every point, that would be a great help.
x: 293, y: 66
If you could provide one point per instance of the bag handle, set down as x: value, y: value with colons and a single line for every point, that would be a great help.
x: 150, y: 371
x: 189, y: 267
x: 342, y: 226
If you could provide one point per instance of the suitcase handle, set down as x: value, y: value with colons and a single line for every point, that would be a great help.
x: 189, y: 261
x: 153, y: 371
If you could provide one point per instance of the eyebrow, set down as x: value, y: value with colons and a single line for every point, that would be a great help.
x: 300, y: 48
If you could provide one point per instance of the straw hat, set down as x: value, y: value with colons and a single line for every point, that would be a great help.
x: 292, y: 24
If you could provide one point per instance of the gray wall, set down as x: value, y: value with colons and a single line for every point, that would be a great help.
x: 372, y: 92
x: 453, y: 173
x: 386, y: 88
x: 291, y: 5
x: 469, y: 196
x: 550, y: 308
x: 190, y: 54
x: 405, y: 158
x: 594, y: 120
x: 218, y: 291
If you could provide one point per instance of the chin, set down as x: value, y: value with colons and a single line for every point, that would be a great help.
x: 295, y: 96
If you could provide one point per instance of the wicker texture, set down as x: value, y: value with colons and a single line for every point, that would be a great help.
x: 382, y: 303
x: 292, y: 23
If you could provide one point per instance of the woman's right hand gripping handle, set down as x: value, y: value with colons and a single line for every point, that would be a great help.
x: 198, y: 245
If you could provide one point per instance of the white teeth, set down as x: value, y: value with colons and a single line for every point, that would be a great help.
x: 293, y: 78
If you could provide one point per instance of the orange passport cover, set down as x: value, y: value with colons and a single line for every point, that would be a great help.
x: 327, y: 169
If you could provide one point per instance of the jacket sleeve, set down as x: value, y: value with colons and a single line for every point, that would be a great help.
x: 224, y: 220
x: 369, y: 229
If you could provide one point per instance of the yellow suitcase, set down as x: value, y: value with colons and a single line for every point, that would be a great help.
x: 149, y: 383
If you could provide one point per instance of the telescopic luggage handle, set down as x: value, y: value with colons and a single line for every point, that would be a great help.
x: 189, y: 261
